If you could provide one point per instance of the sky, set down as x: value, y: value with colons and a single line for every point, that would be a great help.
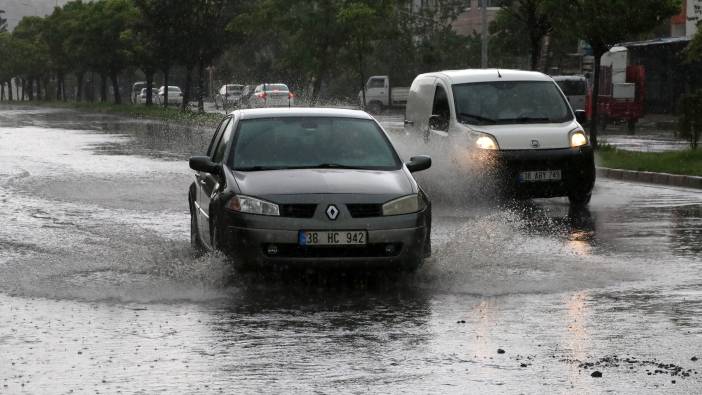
x: 16, y: 9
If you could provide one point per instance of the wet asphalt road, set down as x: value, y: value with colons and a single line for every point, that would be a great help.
x: 100, y: 292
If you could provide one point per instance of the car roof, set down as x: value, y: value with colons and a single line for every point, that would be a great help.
x: 487, y: 75
x: 568, y: 77
x: 300, y: 112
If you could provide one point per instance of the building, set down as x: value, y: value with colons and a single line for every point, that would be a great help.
x: 685, y: 23
x: 469, y: 22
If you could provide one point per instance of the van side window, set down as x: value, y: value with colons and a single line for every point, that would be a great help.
x: 376, y: 83
x: 441, y: 107
x: 216, y: 136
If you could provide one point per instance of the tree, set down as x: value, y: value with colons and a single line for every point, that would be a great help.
x: 30, y: 50
x: 363, y: 23
x: 603, y: 23
x: 690, y: 124
x: 532, y: 18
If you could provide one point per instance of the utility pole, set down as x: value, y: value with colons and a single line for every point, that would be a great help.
x: 483, y: 35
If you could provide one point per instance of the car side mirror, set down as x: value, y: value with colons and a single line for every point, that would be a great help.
x: 418, y: 163
x: 204, y: 164
x: 581, y: 116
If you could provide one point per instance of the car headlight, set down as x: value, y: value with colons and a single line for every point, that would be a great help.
x: 404, y: 205
x: 578, y: 139
x: 485, y: 141
x: 251, y: 205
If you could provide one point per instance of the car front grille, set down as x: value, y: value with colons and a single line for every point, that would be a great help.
x: 365, y: 210
x: 297, y: 210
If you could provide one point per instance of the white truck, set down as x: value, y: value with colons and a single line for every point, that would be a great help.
x: 379, y: 94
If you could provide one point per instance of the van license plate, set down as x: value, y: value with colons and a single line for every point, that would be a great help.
x: 332, y: 238
x: 541, y: 175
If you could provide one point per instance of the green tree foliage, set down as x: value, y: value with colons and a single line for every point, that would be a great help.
x: 532, y: 19
x: 690, y: 122
x: 603, y: 23
x: 30, y: 47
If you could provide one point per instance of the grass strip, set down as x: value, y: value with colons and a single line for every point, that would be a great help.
x: 687, y: 162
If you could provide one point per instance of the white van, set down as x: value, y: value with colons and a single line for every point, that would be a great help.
x: 575, y: 89
x: 518, y: 123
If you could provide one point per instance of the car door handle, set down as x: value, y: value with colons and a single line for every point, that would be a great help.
x: 409, y: 123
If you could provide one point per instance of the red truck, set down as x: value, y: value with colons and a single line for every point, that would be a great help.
x: 620, y: 102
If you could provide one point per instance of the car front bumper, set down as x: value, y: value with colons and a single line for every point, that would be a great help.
x: 395, y: 241
x: 577, y: 166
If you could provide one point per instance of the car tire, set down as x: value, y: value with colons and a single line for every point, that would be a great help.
x: 411, y: 265
x: 579, y: 199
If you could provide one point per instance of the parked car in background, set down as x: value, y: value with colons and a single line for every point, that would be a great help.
x: 228, y: 95
x: 271, y: 95
x: 246, y: 94
x: 515, y: 127
x: 136, y: 90
x: 575, y: 89
x: 175, y: 95
x: 380, y: 95
x: 155, y: 99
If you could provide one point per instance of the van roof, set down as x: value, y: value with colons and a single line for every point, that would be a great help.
x: 487, y: 75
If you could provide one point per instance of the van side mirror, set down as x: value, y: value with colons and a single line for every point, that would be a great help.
x: 437, y: 122
x: 418, y: 163
x: 204, y: 164
x: 581, y: 116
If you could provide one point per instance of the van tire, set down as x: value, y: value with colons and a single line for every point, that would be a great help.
x: 579, y: 199
x: 375, y: 107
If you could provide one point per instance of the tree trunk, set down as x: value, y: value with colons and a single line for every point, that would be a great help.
x: 535, y: 52
x: 200, y: 86
x: 361, y: 74
x: 186, y: 91
x: 9, y: 89
x: 79, y: 86
x: 58, y: 86
x: 30, y: 88
x: 2, y: 91
x: 595, y: 100
x: 103, y: 88
x: 149, y: 87
x: 115, y: 87
x: 165, y: 84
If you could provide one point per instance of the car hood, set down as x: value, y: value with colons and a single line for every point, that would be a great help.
x: 520, y: 136
x: 320, y: 181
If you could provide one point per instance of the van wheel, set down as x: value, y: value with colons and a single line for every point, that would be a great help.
x: 579, y: 199
x: 631, y: 125
x: 375, y: 107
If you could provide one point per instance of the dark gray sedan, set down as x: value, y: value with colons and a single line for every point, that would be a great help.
x: 311, y: 187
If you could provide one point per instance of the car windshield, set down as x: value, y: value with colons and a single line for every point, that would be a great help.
x: 276, y: 87
x: 505, y: 102
x: 573, y: 87
x: 234, y: 88
x: 312, y: 142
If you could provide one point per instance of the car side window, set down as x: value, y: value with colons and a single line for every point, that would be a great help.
x: 223, y: 144
x: 441, y: 107
x: 217, y: 135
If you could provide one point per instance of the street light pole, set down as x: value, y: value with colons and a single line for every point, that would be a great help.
x: 483, y: 35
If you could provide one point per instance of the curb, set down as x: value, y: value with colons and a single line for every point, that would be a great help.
x: 651, y: 177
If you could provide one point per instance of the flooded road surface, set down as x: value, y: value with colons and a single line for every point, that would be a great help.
x: 100, y: 291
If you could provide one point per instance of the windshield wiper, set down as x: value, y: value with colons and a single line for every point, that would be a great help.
x: 476, y: 117
x: 526, y: 120
x: 258, y: 168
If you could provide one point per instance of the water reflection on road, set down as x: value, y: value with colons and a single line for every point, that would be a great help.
x: 101, y: 291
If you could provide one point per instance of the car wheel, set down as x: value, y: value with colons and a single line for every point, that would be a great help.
x: 579, y: 199
x: 411, y: 265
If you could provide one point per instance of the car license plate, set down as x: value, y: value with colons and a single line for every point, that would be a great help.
x: 333, y: 238
x: 540, y: 175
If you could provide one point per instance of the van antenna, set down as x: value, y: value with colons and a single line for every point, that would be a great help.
x: 498, y: 73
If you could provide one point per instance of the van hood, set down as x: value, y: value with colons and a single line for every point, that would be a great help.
x: 522, y: 136
x: 322, y: 181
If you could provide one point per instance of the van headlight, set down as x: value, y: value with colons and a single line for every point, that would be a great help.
x: 251, y: 205
x: 487, y: 142
x: 578, y: 139
x: 404, y: 205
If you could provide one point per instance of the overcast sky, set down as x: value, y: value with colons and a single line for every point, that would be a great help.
x: 16, y: 9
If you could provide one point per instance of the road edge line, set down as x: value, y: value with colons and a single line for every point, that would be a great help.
x: 650, y: 177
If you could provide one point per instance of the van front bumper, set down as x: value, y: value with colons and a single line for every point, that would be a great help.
x: 577, y: 166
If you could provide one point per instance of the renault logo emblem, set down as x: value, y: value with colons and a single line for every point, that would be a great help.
x: 535, y: 143
x: 332, y: 212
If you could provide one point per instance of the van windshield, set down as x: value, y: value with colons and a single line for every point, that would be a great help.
x: 508, y: 102
x: 573, y: 87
